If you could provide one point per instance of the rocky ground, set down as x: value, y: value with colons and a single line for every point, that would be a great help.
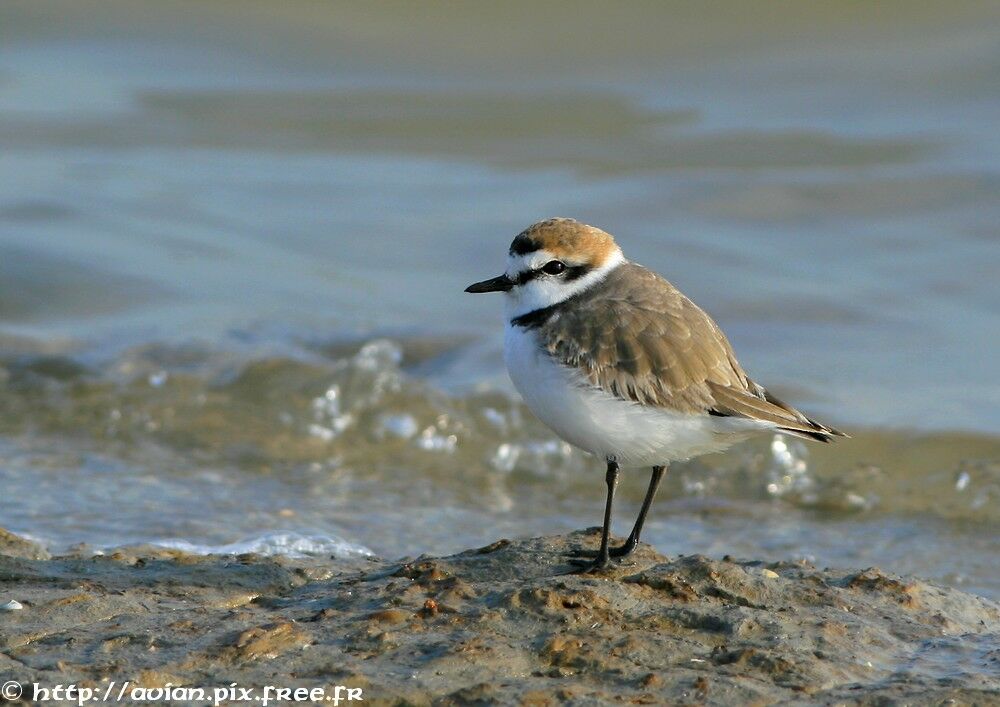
x: 500, y: 624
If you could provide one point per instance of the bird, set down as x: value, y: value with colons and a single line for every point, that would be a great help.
x: 619, y: 363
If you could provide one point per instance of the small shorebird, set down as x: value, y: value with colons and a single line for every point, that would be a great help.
x: 619, y: 363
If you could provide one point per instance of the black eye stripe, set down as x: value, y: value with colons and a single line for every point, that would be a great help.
x: 527, y: 276
x: 572, y: 272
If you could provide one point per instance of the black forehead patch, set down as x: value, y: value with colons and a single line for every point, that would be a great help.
x: 524, y: 244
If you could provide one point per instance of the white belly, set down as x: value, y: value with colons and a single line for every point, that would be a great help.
x: 606, y: 426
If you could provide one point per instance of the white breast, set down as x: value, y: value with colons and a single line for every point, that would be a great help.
x: 606, y: 426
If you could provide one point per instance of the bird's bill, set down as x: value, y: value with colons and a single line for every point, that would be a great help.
x: 500, y: 283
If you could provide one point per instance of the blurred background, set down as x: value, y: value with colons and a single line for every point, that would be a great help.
x: 234, y: 238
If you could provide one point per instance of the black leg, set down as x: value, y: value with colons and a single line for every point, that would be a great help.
x: 611, y: 479
x: 603, y: 555
x: 633, y: 539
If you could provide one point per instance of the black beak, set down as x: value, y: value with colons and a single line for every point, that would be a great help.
x: 500, y: 283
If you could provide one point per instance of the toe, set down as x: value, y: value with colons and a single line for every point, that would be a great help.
x: 595, y: 566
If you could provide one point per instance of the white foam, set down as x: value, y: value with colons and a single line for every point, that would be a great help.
x: 287, y: 544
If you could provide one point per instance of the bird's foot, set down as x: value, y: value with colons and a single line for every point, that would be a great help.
x: 622, y: 550
x: 595, y: 566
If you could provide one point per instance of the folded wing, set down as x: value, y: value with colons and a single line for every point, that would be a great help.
x: 639, y: 338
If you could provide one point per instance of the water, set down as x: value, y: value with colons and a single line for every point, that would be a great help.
x: 235, y: 237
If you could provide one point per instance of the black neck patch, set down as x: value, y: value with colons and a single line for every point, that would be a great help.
x: 537, y: 317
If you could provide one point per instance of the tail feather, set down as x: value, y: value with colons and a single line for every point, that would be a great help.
x: 815, y: 430
x: 820, y: 434
x: 759, y: 404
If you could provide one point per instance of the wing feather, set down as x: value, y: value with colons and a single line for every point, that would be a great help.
x: 639, y: 338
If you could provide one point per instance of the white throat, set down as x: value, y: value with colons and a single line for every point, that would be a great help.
x: 546, y: 291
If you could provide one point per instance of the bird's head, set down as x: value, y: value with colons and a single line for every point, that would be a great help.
x: 550, y: 262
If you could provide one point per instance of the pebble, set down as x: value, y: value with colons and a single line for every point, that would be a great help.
x: 12, y: 605
x: 771, y: 574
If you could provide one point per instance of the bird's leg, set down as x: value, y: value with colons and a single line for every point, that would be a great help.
x: 603, y: 555
x: 633, y: 538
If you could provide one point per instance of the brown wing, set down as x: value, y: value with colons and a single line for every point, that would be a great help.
x: 637, y: 337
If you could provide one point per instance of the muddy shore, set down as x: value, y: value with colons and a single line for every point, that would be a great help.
x: 500, y: 624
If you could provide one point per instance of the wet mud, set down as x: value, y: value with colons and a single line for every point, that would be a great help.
x: 506, y: 623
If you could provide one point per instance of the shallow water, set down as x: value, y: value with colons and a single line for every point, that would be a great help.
x: 234, y: 239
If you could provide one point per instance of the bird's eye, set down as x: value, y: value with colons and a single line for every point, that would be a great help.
x: 553, y: 267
